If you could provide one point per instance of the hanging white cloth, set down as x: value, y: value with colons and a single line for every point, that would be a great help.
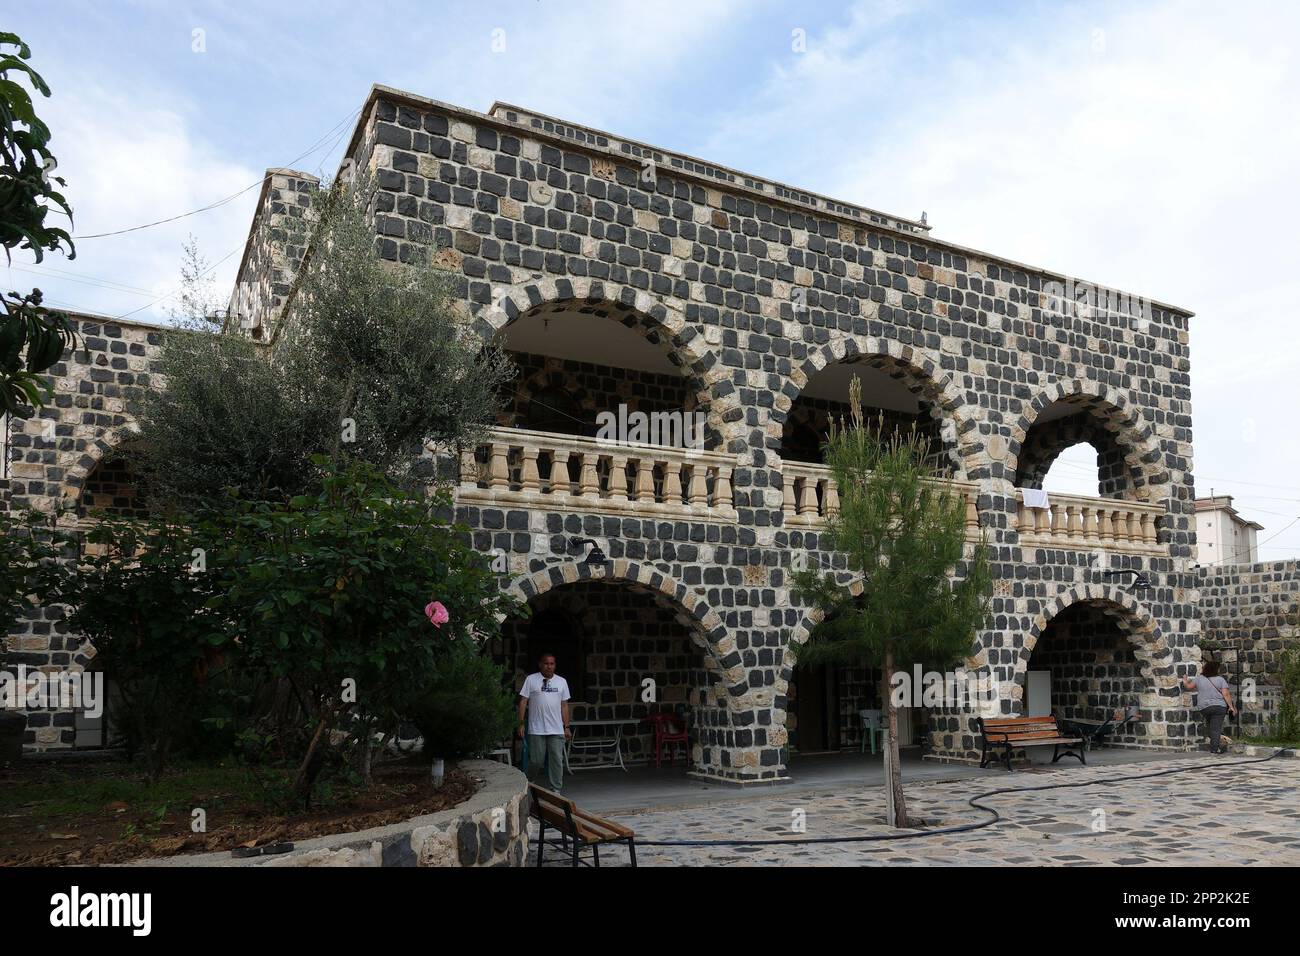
x: 1034, y: 498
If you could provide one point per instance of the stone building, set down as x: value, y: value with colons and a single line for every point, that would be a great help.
x: 622, y: 274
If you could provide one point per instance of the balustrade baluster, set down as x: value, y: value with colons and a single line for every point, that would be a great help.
x: 560, y: 484
x: 589, y: 484
x: 469, y: 470
x: 722, y: 490
x: 618, y: 478
x: 808, y: 498
x: 672, y: 481
x: 645, y: 478
x: 498, y: 466
x: 832, y: 503
x: 529, y: 480
x: 699, y: 486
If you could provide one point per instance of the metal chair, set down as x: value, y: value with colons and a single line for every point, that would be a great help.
x: 669, y: 730
x: 873, y: 728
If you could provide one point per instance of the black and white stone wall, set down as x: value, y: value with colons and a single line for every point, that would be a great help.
x: 753, y: 293
x: 1250, y: 616
x: 751, y: 288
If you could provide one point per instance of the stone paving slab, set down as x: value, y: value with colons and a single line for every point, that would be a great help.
x: 1222, y: 811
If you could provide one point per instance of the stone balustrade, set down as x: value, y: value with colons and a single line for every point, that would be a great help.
x: 522, y: 468
x: 809, y: 495
x: 1074, y: 521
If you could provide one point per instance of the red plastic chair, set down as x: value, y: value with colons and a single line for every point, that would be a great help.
x: 669, y: 730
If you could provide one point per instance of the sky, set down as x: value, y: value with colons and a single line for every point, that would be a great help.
x: 1149, y: 147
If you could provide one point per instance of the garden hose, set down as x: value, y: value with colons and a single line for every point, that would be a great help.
x: 973, y: 802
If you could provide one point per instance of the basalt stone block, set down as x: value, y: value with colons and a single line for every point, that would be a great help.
x: 467, y: 843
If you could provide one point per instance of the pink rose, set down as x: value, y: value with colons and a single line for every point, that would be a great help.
x: 436, y: 613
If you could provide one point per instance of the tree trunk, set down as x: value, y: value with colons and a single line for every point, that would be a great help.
x: 894, y: 773
x: 365, y: 755
x: 302, y: 781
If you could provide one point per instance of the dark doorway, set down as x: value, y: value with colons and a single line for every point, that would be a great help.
x: 555, y: 631
x: 817, y: 709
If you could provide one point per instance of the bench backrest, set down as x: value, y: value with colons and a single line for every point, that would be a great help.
x: 1021, y: 728
x: 563, y: 814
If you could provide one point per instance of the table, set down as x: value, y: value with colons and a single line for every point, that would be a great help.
x: 605, y: 750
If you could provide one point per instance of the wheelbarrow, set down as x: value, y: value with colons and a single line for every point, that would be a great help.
x: 1094, y: 732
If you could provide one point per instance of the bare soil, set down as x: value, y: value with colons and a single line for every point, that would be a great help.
x: 84, y: 814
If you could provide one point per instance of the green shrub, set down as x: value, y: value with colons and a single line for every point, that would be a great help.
x: 465, y: 708
x: 140, y: 601
x: 1286, y: 725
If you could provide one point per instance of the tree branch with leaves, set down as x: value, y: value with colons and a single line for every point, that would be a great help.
x: 32, y: 337
x: 914, y: 590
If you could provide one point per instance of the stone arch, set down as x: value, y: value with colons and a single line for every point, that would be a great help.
x: 703, y: 623
x: 803, y: 630
x: 660, y: 320
x: 921, y: 375
x: 97, y: 451
x: 1116, y: 415
x: 1154, y: 656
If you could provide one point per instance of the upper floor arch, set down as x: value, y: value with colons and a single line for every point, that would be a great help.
x: 902, y: 385
x: 87, y: 481
x: 1129, y: 460
x: 594, y: 346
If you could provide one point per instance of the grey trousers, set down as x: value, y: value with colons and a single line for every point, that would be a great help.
x: 1214, y: 723
x: 548, y: 749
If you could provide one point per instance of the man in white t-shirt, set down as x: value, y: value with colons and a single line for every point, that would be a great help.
x: 545, y: 698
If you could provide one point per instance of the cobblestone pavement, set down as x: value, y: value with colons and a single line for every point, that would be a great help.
x: 1226, y: 812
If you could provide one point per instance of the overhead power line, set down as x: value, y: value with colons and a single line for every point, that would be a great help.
x: 221, y: 202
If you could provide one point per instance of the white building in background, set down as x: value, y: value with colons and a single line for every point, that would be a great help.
x: 1222, y: 535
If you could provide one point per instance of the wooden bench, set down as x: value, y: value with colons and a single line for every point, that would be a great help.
x: 578, y: 829
x: 1016, y: 732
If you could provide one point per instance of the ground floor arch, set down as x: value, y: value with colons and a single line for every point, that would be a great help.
x: 1095, y: 651
x: 637, y: 644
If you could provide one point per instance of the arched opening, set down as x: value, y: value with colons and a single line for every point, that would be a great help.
x: 628, y: 652
x: 578, y: 360
x: 894, y: 397
x: 833, y: 707
x: 1073, y: 448
x: 113, y: 489
x: 1086, y: 667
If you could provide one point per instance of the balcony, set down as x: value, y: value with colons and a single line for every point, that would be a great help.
x: 1091, y: 523
x: 553, y: 472
x: 809, y: 494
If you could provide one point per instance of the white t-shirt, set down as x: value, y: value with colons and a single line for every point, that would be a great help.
x: 544, y: 715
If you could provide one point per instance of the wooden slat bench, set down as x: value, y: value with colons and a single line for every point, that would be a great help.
x: 1016, y: 732
x: 578, y: 829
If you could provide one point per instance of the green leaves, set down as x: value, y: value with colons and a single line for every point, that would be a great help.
x: 32, y: 338
x: 27, y: 190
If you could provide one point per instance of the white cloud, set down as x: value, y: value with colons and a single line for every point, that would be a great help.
x: 130, y: 157
x: 1148, y: 149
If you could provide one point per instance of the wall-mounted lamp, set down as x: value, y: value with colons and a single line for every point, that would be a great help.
x: 1140, y: 580
x: 595, y: 555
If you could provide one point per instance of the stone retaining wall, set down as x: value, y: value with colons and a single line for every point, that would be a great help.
x: 488, y: 829
x: 1250, y: 615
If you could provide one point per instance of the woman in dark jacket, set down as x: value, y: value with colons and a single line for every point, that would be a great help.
x: 1213, y: 699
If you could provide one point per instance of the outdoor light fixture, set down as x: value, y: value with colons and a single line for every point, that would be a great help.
x: 1140, y: 580
x: 595, y: 555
